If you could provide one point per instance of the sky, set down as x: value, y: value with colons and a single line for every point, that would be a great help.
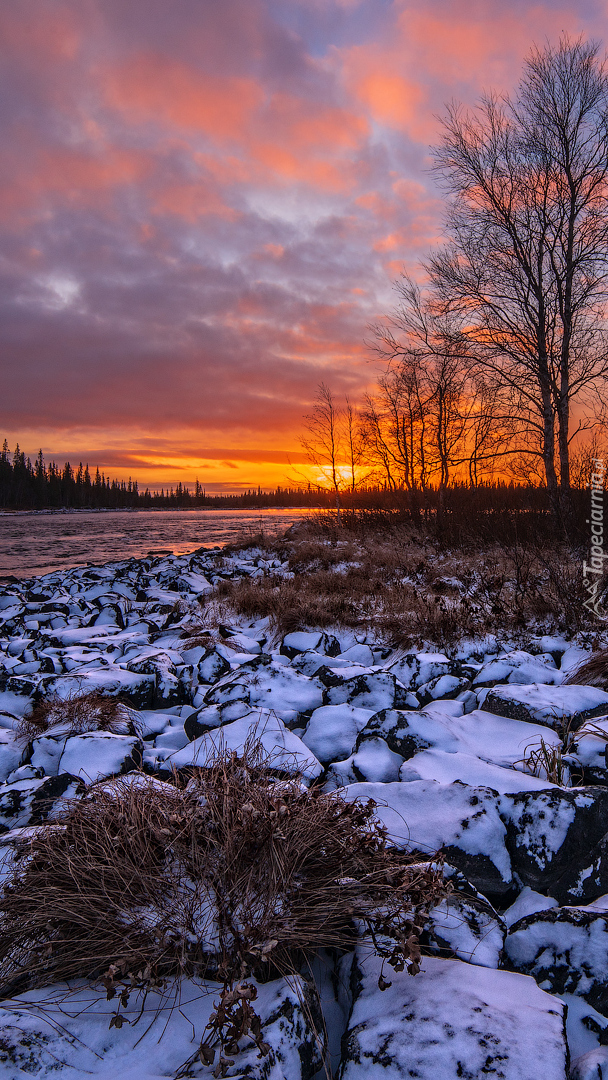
x: 205, y: 203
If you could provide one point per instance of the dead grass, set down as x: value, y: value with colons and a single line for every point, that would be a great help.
x: 592, y: 672
x: 407, y: 585
x: 76, y: 714
x: 230, y: 873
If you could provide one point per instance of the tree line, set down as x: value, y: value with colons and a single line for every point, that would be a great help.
x: 27, y: 485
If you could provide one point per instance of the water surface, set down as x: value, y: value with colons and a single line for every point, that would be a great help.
x: 41, y: 542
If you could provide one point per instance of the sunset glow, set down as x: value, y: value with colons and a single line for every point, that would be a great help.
x: 204, y: 206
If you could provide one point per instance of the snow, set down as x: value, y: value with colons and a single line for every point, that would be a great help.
x: 258, y: 724
x: 566, y: 949
x: 449, y: 774
x: 528, y: 903
x: 96, y: 754
x: 68, y: 1034
x: 446, y: 768
x: 301, y: 641
x: 547, y: 704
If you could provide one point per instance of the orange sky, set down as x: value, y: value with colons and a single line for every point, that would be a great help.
x: 204, y: 205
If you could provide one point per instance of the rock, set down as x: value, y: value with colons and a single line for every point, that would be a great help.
x: 401, y: 731
x: 444, y: 686
x: 565, y: 950
x: 11, y: 752
x: 90, y: 756
x: 65, y: 1047
x: 590, y: 1066
x: 519, y: 667
x: 447, y: 768
x: 110, y: 681
x: 528, y: 902
x: 587, y: 1032
x: 332, y: 731
x: 212, y: 666
x: 557, y: 840
x: 270, y: 685
x: 466, y: 927
x: 451, y: 1021
x: 556, y: 707
x: 304, y: 641
x: 416, y: 669
x: 426, y: 816
x: 32, y: 801
x: 289, y: 752
x: 375, y: 762
x: 376, y: 691
x: 500, y: 741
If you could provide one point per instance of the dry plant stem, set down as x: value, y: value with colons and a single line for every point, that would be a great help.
x: 229, y: 873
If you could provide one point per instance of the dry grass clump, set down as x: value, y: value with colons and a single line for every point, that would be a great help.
x: 76, y: 714
x: 231, y: 873
x: 592, y: 672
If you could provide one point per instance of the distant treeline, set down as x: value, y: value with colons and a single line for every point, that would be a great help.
x: 27, y: 485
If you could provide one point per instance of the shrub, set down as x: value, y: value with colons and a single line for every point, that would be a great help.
x: 229, y: 873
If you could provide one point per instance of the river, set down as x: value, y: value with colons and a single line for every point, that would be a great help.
x: 43, y: 541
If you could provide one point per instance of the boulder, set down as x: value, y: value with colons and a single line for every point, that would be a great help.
x: 452, y: 1021
x: 426, y: 816
x: 308, y: 641
x: 288, y: 751
x: 565, y: 950
x: 332, y: 731
x: 270, y: 685
x: 557, y: 840
x: 375, y: 691
x: 417, y: 669
x: 32, y: 801
x: 81, y: 1044
x: 557, y: 707
x: 11, y: 752
x: 466, y: 927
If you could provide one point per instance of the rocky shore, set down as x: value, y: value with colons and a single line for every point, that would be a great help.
x: 487, y: 754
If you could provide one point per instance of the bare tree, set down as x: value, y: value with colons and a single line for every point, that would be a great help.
x: 525, y: 274
x: 433, y: 413
x: 324, y: 443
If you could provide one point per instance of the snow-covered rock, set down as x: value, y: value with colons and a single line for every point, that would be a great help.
x: 11, y: 752
x: 70, y: 1036
x: 97, y: 754
x: 287, y: 750
x: 332, y: 731
x: 375, y: 691
x: 447, y: 768
x: 451, y: 1021
x: 566, y: 950
x: 425, y: 816
x: 557, y: 840
x: 551, y: 706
